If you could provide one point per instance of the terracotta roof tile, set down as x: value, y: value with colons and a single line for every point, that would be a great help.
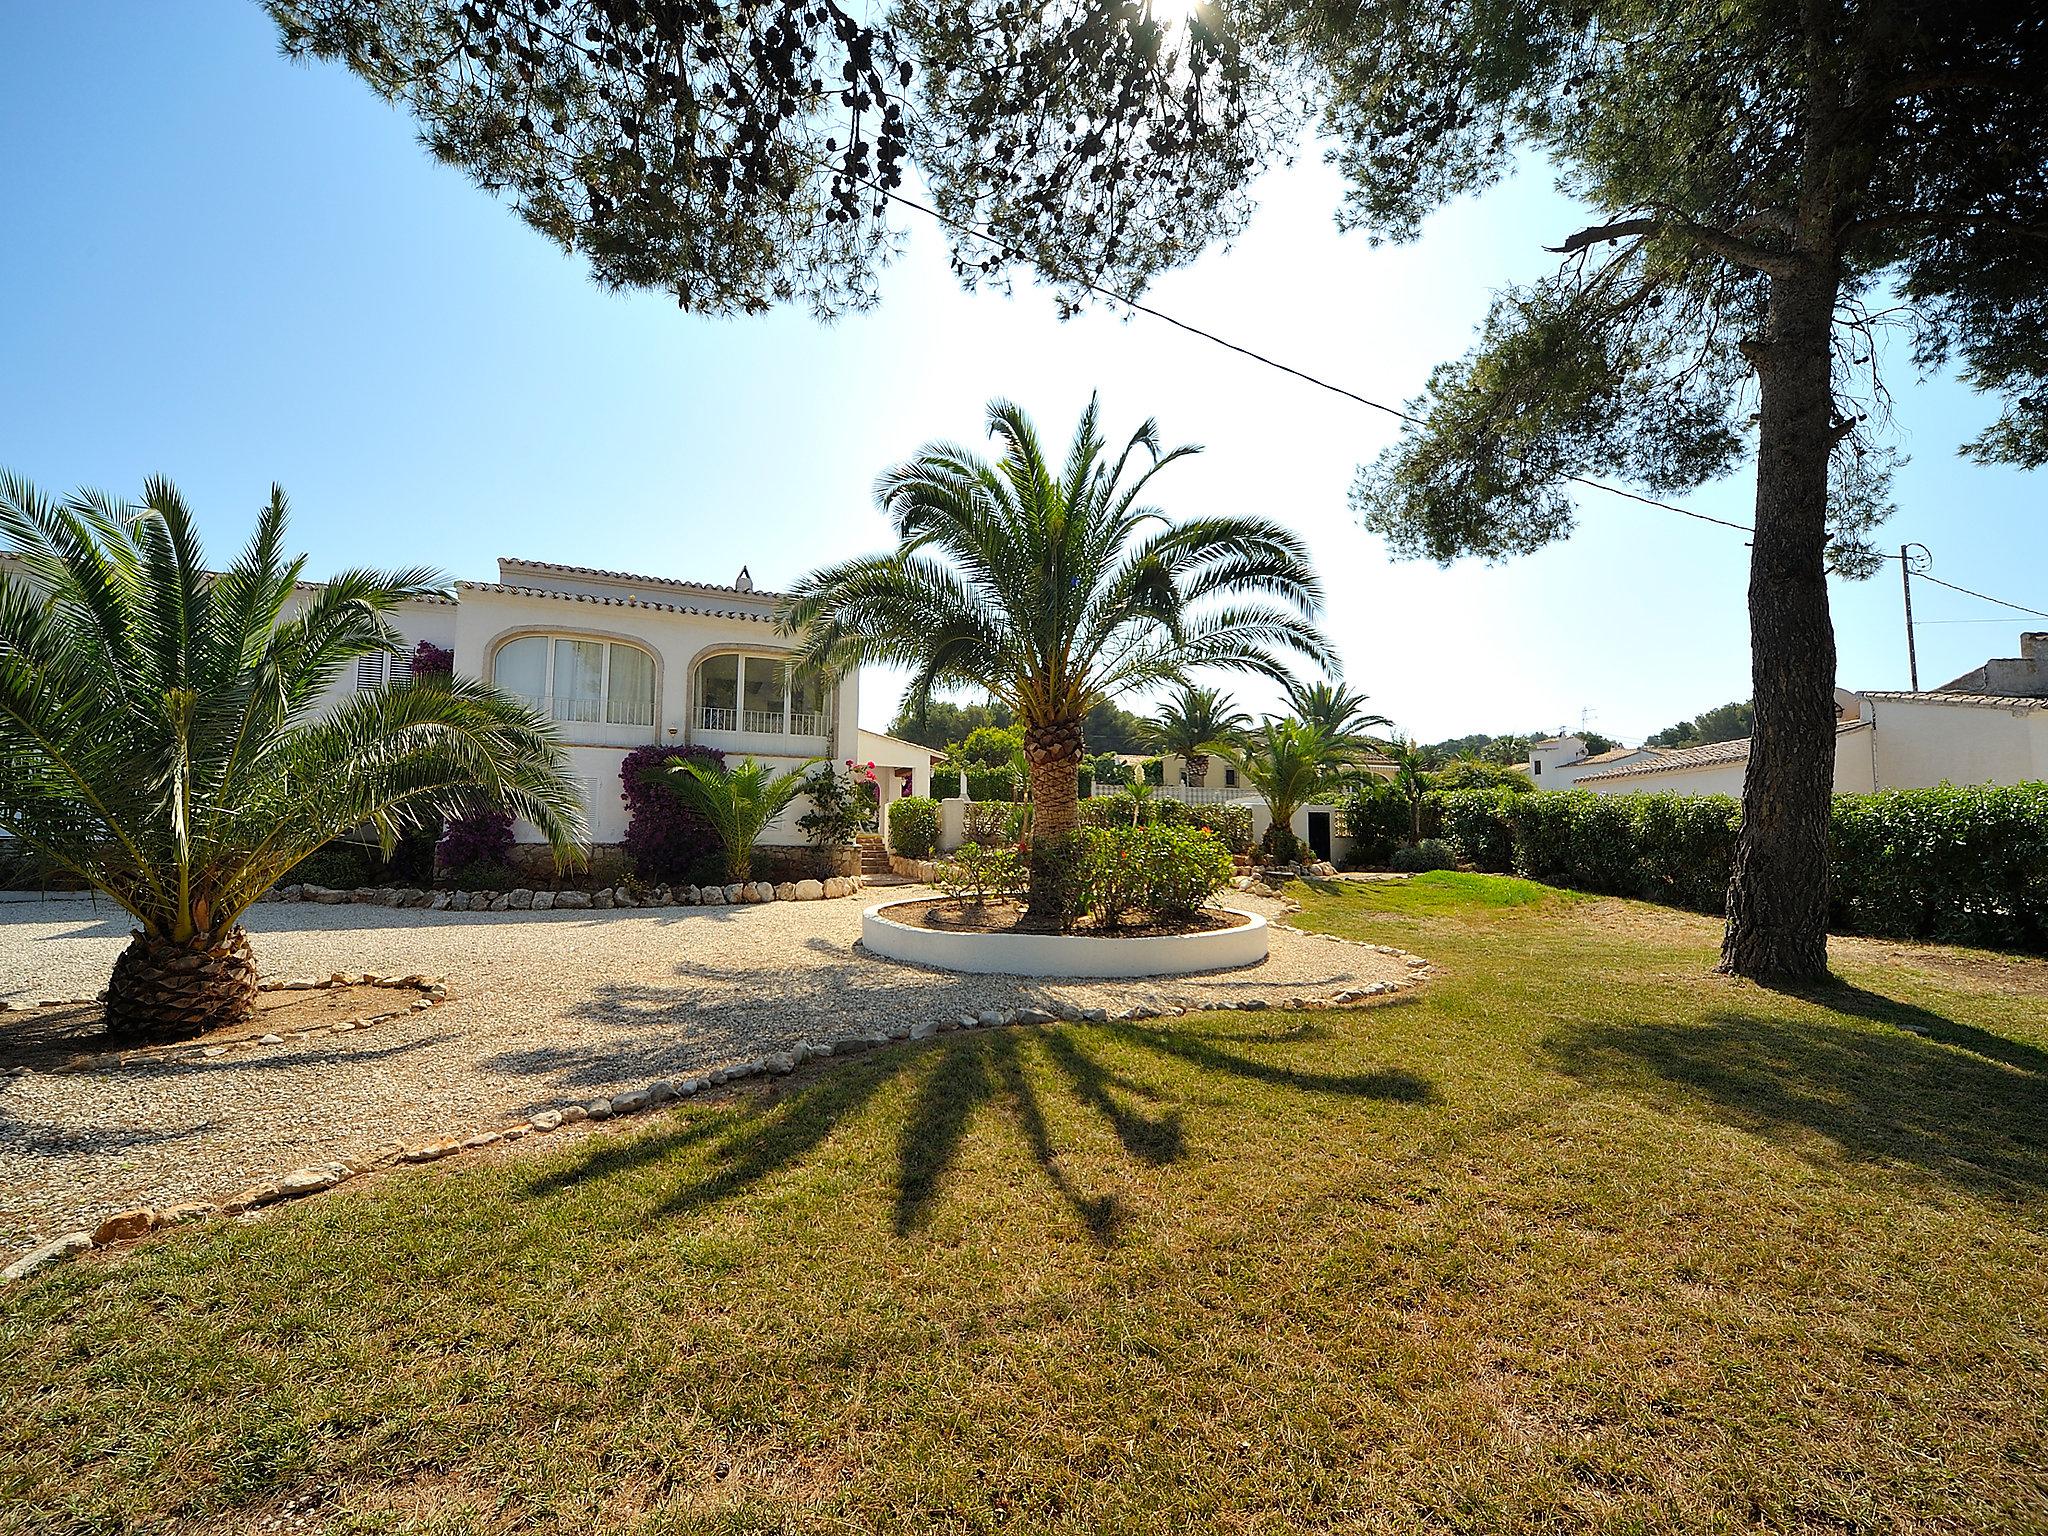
x: 614, y: 602
x: 652, y: 581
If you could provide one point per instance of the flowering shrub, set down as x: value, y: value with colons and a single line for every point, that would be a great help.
x: 667, y: 840
x: 1169, y: 872
x: 914, y: 827
x: 843, y: 803
x: 478, y: 838
x: 978, y: 873
x: 431, y: 660
x: 1231, y: 823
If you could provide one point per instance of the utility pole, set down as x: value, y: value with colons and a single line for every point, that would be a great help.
x: 1908, y: 562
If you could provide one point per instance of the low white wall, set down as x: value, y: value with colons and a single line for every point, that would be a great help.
x: 1064, y: 954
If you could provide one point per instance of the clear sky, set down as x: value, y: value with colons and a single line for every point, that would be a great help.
x: 232, y: 270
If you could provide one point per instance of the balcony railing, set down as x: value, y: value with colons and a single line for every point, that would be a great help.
x: 764, y: 722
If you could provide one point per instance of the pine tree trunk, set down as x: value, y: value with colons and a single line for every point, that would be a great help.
x: 1052, y: 752
x: 166, y: 990
x: 1778, y: 896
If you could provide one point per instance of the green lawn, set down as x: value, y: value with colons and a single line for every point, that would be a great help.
x: 1581, y: 1238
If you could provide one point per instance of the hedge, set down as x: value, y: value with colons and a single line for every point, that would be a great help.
x: 1955, y: 865
x: 914, y: 827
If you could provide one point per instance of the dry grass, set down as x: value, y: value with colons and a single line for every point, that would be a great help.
x: 1580, y: 1239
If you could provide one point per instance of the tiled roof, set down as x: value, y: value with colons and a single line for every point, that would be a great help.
x: 615, y: 602
x: 652, y: 581
x: 1942, y: 696
x: 1613, y: 754
x: 1677, y: 758
x: 1713, y: 754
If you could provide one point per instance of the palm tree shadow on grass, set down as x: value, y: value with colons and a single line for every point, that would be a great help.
x: 1946, y: 1099
x: 758, y: 1138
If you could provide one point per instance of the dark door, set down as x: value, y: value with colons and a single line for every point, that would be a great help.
x: 1319, y: 834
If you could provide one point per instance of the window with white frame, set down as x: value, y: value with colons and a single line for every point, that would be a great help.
x: 765, y: 695
x: 579, y: 681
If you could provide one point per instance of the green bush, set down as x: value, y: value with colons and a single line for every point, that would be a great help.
x: 997, y: 784
x: 1966, y: 866
x: 1959, y: 866
x: 1471, y: 773
x: 993, y: 821
x: 1376, y: 820
x: 914, y: 827
x: 1169, y: 872
x: 1231, y: 823
x: 1283, y: 845
x: 1430, y: 853
x: 979, y: 873
x: 1125, y: 809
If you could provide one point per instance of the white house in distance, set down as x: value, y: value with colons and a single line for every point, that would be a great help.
x: 620, y: 661
x: 1989, y: 726
x: 1559, y: 762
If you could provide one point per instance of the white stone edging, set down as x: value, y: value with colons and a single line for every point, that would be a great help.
x: 526, y: 899
x: 1075, y: 955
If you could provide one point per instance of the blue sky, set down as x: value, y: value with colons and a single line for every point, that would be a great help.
x: 232, y: 270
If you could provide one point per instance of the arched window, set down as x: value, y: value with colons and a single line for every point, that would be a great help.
x: 759, y: 694
x: 579, y: 681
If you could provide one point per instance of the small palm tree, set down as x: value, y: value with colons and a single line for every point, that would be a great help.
x: 1332, y: 708
x: 1195, y: 722
x: 1409, y: 766
x: 1290, y: 765
x: 1052, y: 588
x: 163, y: 736
x: 738, y: 802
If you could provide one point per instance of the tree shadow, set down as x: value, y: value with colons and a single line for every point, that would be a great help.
x: 766, y: 1133
x: 1939, y: 1102
x: 1861, y: 1002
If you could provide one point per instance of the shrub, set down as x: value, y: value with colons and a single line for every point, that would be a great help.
x: 1471, y: 773
x: 1430, y: 853
x: 1185, y: 866
x: 1475, y: 823
x: 996, y: 784
x: 1376, y: 820
x: 668, y: 840
x: 1231, y: 823
x: 914, y: 827
x: 843, y: 803
x: 993, y: 821
x: 1108, y: 768
x: 1125, y: 809
x: 431, y: 660
x: 1956, y: 865
x: 477, y: 839
x: 978, y: 873
x: 1283, y: 845
x: 1114, y: 873
x: 1059, y: 875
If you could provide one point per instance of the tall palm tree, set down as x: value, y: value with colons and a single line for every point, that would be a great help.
x: 1052, y: 587
x: 738, y: 802
x: 1193, y: 723
x: 162, y: 736
x: 1289, y: 764
x: 1335, y: 710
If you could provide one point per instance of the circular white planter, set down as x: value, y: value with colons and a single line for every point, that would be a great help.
x: 1062, y: 954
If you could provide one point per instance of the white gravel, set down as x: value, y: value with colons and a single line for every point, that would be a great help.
x: 545, y: 1008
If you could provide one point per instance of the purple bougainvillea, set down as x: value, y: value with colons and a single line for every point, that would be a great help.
x: 665, y: 839
x: 479, y: 837
x: 431, y: 660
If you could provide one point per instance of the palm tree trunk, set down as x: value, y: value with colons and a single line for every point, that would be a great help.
x: 1053, y: 753
x: 1198, y: 769
x: 164, y: 989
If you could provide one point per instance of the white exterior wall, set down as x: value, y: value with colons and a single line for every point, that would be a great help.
x: 1925, y: 741
x: 1853, y: 774
x: 893, y: 756
x: 1548, y: 760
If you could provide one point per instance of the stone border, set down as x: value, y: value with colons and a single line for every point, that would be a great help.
x: 432, y: 990
x: 1064, y: 955
x: 525, y: 899
x: 129, y: 1225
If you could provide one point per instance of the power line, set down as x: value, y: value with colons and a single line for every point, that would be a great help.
x: 1138, y: 306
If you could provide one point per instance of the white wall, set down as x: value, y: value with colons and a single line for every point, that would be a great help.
x: 1924, y: 740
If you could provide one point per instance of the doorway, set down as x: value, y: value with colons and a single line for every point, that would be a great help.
x: 1319, y: 834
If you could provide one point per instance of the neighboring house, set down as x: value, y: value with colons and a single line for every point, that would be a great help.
x: 1559, y: 762
x: 619, y: 661
x: 1989, y: 726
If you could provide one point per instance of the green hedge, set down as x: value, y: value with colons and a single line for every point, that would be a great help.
x: 914, y: 827
x: 1967, y: 866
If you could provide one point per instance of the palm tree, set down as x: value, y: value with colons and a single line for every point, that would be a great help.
x: 738, y: 802
x: 1195, y: 722
x: 1289, y: 765
x: 1410, y: 764
x: 1053, y: 588
x: 1333, y: 708
x: 162, y: 736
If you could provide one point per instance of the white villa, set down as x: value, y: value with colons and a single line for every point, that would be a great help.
x: 621, y: 661
x: 1989, y: 726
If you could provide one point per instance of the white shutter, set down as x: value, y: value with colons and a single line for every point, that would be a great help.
x: 370, y: 671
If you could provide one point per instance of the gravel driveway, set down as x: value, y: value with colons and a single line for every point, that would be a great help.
x: 545, y: 1008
